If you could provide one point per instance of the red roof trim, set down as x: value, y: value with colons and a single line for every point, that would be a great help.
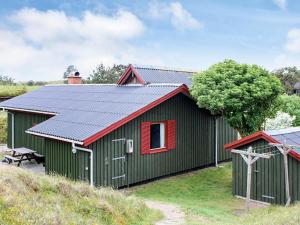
x: 181, y: 89
x: 127, y: 73
x: 256, y: 136
x: 294, y: 154
x: 248, y: 139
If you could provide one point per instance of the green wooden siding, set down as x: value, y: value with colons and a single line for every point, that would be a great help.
x: 267, y: 177
x: 22, y: 122
x: 61, y: 160
x: 225, y: 135
x: 195, y: 145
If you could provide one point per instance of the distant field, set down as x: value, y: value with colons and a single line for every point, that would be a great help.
x: 12, y: 91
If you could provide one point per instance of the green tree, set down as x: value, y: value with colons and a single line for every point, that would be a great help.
x: 291, y: 105
x: 288, y: 76
x: 106, y: 75
x: 243, y: 94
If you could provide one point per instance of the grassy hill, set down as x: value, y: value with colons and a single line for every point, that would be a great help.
x: 27, y: 198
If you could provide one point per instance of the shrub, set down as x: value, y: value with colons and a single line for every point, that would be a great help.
x: 281, y: 120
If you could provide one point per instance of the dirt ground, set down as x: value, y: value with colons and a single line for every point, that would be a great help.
x: 173, y: 215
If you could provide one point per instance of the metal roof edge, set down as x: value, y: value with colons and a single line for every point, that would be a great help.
x: 28, y: 110
x: 53, y: 137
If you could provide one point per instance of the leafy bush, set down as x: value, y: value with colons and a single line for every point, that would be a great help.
x: 281, y: 120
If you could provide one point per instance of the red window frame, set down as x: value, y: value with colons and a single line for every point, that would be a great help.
x: 170, y: 136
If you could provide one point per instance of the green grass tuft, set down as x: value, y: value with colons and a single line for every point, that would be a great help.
x: 27, y: 198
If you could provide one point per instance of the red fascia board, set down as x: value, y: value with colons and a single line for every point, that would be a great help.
x: 127, y: 73
x: 248, y: 139
x: 294, y: 154
x: 181, y: 89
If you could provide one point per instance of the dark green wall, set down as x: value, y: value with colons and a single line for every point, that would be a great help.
x: 24, y: 121
x: 225, y: 135
x: 195, y: 144
x: 267, y: 176
x: 61, y: 160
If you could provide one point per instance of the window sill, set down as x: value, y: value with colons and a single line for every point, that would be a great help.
x: 157, y: 150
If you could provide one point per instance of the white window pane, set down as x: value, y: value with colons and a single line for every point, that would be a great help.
x: 162, y: 135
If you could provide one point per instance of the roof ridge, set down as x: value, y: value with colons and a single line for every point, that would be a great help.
x: 163, y: 68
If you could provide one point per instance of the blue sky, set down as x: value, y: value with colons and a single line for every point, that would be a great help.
x: 39, y: 39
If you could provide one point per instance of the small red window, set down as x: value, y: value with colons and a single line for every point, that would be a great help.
x: 158, y: 136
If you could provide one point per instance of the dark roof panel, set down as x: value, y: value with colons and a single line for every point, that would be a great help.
x: 153, y: 75
x: 84, y: 110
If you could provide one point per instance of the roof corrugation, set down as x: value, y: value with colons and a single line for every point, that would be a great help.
x: 156, y: 75
x: 290, y: 136
x: 84, y: 110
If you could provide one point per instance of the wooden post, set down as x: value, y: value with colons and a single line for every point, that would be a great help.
x: 249, y: 178
x: 284, y: 150
x: 286, y: 173
x: 287, y: 183
x: 249, y: 158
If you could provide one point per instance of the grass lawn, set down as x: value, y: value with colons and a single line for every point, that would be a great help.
x: 206, y: 198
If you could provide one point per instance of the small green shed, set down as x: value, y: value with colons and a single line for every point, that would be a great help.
x: 268, y: 175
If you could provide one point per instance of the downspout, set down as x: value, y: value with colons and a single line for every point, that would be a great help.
x: 74, y: 149
x: 216, y: 141
x: 12, y: 129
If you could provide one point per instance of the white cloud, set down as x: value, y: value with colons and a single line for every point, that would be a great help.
x: 41, y: 44
x: 180, y: 18
x: 293, y: 41
x: 281, y: 3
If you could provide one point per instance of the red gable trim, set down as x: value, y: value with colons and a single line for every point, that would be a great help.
x: 246, y: 140
x: 294, y: 154
x: 181, y: 89
x: 256, y: 136
x: 127, y: 73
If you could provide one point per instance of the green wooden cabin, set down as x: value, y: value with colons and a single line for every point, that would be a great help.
x: 117, y: 135
x: 268, y: 179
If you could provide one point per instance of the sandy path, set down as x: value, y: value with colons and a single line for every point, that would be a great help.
x: 173, y: 215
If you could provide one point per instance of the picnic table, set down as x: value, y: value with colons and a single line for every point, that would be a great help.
x: 21, y: 154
